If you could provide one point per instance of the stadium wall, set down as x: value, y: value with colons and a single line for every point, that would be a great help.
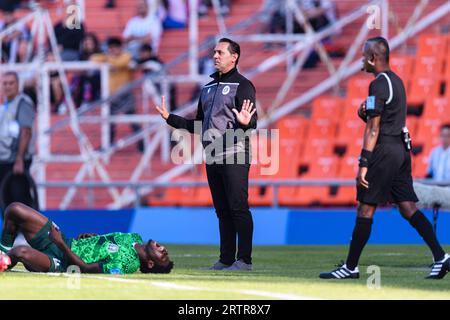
x: 272, y: 226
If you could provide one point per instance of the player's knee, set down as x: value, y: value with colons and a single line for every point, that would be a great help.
x: 13, y: 210
x: 364, y: 212
x: 407, y: 210
x: 22, y: 253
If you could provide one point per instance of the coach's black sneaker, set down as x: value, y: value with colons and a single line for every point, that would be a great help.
x: 440, y: 268
x: 342, y: 272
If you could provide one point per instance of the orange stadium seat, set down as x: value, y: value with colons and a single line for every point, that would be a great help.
x: 261, y: 159
x: 402, y: 65
x: 348, y: 130
x: 317, y: 147
x: 428, y: 66
x: 351, y: 107
x: 412, y: 124
x: 437, y: 108
x: 423, y: 88
x: 346, y: 195
x: 327, y: 107
x: 322, y: 168
x: 427, y: 134
x: 432, y: 45
x: 358, y: 86
x: 292, y: 134
x: 420, y: 166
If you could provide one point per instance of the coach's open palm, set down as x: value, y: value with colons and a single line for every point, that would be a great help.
x: 246, y: 113
x: 162, y: 109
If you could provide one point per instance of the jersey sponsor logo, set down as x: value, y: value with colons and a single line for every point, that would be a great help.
x: 370, y: 103
x: 113, y: 248
x: 226, y: 90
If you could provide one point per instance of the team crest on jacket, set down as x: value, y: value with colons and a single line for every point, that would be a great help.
x: 226, y: 90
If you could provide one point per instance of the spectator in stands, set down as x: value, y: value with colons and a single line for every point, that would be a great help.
x: 145, y: 28
x: 439, y: 162
x: 10, y: 43
x: 16, y: 142
x: 175, y: 12
x: 110, y: 4
x: 57, y: 98
x: 27, y: 78
x: 121, y: 74
x: 85, y: 87
x: 224, y: 10
x: 69, y: 40
x: 320, y: 13
x: 147, y: 61
x: 150, y: 64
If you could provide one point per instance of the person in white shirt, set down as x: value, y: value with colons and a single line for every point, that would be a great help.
x: 145, y: 28
x: 439, y: 162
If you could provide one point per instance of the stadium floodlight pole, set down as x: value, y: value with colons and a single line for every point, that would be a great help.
x: 193, y: 37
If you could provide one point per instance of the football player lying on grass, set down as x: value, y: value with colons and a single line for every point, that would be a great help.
x: 50, y: 251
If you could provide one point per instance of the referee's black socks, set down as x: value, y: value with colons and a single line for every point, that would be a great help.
x: 425, y: 229
x: 360, y: 236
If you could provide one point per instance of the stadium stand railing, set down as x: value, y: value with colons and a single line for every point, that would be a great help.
x: 328, y: 136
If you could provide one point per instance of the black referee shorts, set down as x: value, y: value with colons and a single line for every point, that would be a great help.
x: 389, y: 174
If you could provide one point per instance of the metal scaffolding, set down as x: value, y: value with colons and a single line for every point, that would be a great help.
x: 155, y: 132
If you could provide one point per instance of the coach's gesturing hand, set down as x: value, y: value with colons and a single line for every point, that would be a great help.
x: 246, y: 113
x: 361, y: 178
x: 162, y: 109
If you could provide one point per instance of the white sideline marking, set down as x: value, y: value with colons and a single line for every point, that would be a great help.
x: 174, y: 286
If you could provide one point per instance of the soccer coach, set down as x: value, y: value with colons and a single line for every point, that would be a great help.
x: 226, y: 107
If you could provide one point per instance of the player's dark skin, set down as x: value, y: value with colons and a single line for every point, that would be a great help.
x: 21, y: 218
x: 375, y: 63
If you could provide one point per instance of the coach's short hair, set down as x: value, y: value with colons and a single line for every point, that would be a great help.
x: 11, y: 73
x: 233, y: 47
x: 381, y: 47
x: 445, y: 126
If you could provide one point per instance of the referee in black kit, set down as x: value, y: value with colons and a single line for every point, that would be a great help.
x: 384, y: 173
x: 225, y: 109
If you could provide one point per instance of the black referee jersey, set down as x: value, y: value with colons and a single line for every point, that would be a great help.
x: 389, y: 171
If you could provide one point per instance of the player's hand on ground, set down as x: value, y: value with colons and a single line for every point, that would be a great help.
x: 86, y: 235
x: 55, y: 235
x: 163, y: 109
x: 361, y: 178
x: 246, y: 113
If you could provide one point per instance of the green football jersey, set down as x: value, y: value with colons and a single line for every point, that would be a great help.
x: 114, y: 251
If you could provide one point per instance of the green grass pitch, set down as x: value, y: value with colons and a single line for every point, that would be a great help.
x: 283, y: 272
